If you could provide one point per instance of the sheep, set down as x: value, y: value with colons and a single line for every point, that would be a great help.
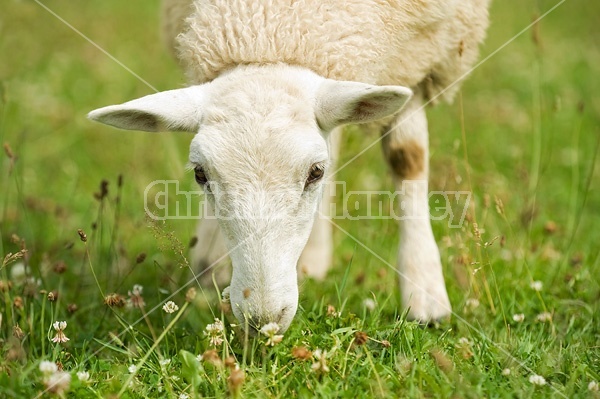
x: 271, y: 84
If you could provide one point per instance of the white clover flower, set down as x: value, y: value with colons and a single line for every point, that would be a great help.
x: 544, y: 317
x: 59, y: 325
x: 164, y: 362
x: 132, y: 368
x: 506, y: 372
x: 536, y: 285
x: 58, y: 382
x: 60, y: 336
x: 226, y: 295
x: 83, y: 376
x: 200, y: 357
x: 135, y: 299
x: 519, y: 317
x: 320, y: 365
x: 184, y: 396
x: 370, y: 304
x: 18, y: 273
x: 215, y: 332
x: 593, y: 386
x: 48, y: 367
x: 170, y: 307
x: 537, y: 380
x: 137, y: 289
x: 464, y: 341
x: 472, y: 303
x: 270, y: 330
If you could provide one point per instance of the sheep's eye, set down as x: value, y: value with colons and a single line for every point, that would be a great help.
x: 200, y: 176
x: 316, y: 173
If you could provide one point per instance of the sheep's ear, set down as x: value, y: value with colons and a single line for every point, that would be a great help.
x: 173, y: 110
x: 339, y: 102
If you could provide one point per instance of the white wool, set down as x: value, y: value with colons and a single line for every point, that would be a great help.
x: 414, y: 43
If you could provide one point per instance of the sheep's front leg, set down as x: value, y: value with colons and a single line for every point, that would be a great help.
x: 421, y: 280
x: 318, y: 253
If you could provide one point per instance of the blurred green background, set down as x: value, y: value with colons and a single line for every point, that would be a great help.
x: 530, y: 114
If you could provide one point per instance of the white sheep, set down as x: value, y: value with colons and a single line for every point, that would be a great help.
x: 272, y: 82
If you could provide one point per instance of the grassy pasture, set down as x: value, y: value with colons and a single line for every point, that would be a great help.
x: 522, y: 136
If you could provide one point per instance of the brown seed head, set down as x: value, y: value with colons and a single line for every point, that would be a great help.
x: 103, y: 192
x: 114, y: 300
x: 60, y: 267
x: 5, y: 285
x: 230, y: 362
x: 18, y: 302
x: 550, y: 227
x: 72, y: 308
x: 8, y: 151
x: 386, y: 343
x: 360, y: 278
x: 235, y: 381
x: 225, y: 307
x: 301, y: 353
x: 360, y: 338
x: 140, y: 258
x: 331, y: 311
x: 17, y: 332
x: 53, y: 296
x: 211, y: 356
x: 82, y: 235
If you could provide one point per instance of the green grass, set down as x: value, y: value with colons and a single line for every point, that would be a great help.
x: 531, y: 126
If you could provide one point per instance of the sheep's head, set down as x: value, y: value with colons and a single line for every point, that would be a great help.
x: 260, y: 152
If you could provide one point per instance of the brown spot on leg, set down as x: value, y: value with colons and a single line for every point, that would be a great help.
x: 406, y: 159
